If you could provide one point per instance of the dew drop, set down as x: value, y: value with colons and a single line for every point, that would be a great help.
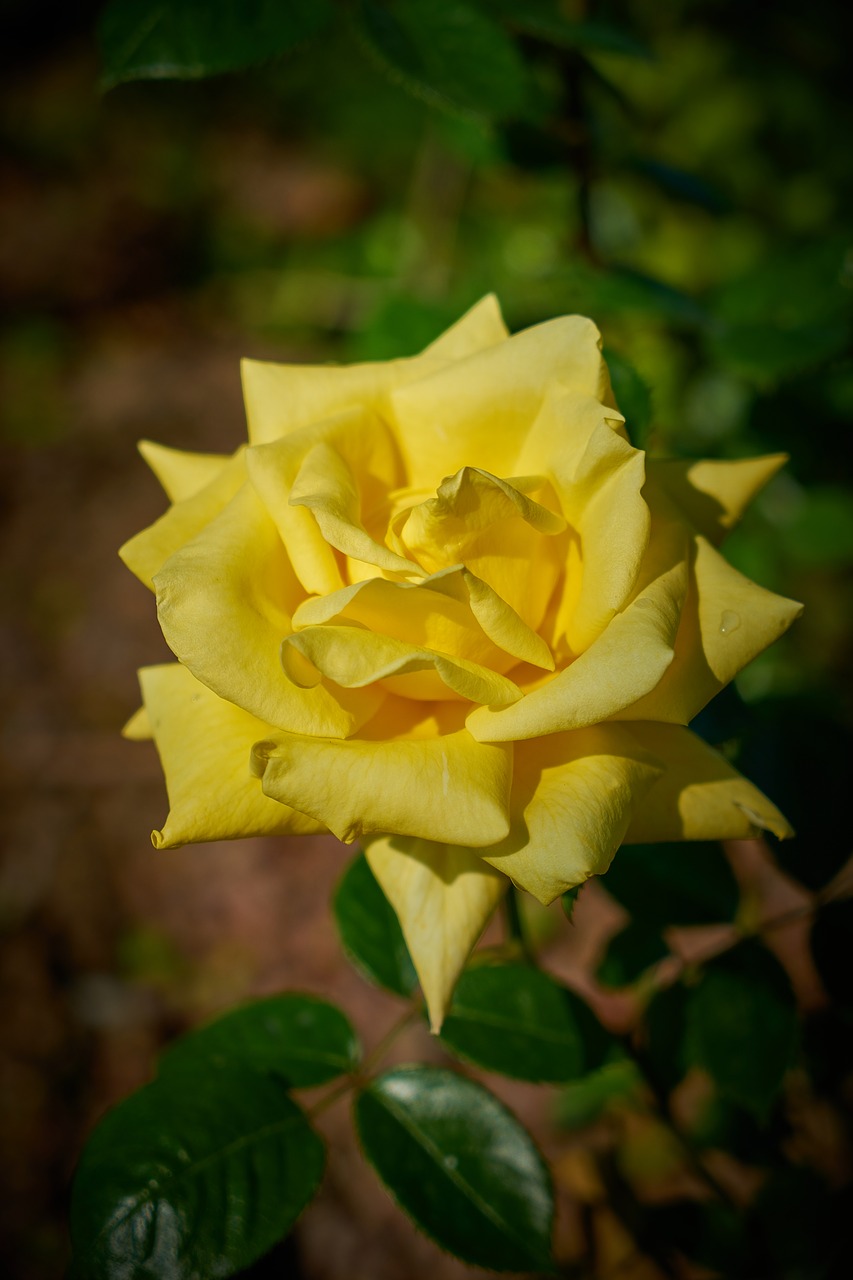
x: 729, y: 622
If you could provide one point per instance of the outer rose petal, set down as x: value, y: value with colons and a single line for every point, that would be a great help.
x: 480, y: 327
x: 224, y: 603
x: 444, y: 788
x: 481, y: 408
x: 138, y: 727
x: 713, y: 494
x: 180, y: 473
x: 281, y: 399
x: 573, y: 795
x: 148, y: 551
x: 204, y: 746
x: 699, y: 796
x: 443, y: 896
x: 726, y: 621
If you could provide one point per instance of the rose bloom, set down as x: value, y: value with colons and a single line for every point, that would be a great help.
x: 441, y: 605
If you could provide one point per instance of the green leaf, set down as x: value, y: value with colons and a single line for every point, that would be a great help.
x: 192, y: 1176
x: 633, y: 395
x: 629, y: 953
x: 569, y: 901
x: 370, y: 931
x: 446, y: 52
x: 460, y: 1165
x: 663, y: 884
x: 620, y: 289
x: 302, y: 1039
x: 542, y: 18
x: 514, y: 1019
x: 767, y: 354
x: 681, y: 184
x: 187, y: 39
x: 581, y: 1103
x: 742, y: 1026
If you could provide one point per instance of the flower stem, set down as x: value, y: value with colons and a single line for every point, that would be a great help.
x: 364, y: 1071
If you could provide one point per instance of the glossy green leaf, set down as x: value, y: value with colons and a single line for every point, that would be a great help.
x: 302, y: 1039
x: 187, y: 39
x: 663, y: 884
x: 370, y: 931
x: 192, y: 1176
x: 742, y: 1026
x: 514, y: 1019
x: 445, y: 51
x: 460, y: 1165
x: 629, y: 953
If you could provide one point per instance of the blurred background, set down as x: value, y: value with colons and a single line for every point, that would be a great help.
x: 682, y: 173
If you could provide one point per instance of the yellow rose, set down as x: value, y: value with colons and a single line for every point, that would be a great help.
x: 443, y: 606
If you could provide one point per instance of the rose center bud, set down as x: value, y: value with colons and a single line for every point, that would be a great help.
x: 508, y: 538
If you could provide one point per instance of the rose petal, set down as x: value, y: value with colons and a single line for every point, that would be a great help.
x: 714, y: 494
x: 147, y: 552
x: 726, y: 621
x: 327, y: 487
x: 599, y: 487
x: 224, y: 602
x: 699, y: 796
x: 204, y: 744
x: 503, y: 536
x: 343, y: 486
x: 444, y: 896
x: 354, y: 658
x: 628, y: 658
x: 482, y: 407
x: 442, y: 788
x: 480, y: 327
x: 573, y: 795
x: 138, y: 727
x: 281, y: 399
x: 449, y: 611
x: 180, y: 473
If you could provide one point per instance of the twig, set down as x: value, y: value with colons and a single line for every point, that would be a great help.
x: 363, y: 1072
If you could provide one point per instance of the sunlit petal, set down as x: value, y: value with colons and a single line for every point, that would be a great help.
x: 699, y: 796
x: 573, y: 796
x: 443, y: 896
x: 205, y: 744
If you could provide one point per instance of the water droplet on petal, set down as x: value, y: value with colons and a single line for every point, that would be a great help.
x: 729, y: 622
